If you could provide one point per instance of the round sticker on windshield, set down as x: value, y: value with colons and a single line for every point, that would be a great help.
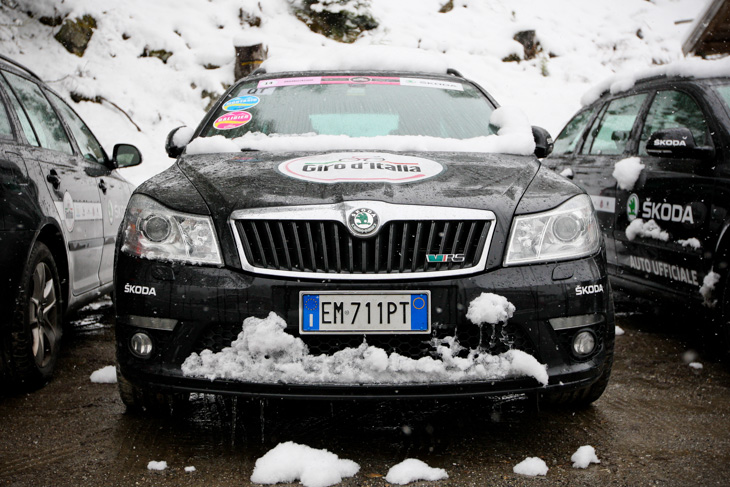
x: 361, y: 167
x: 240, y: 103
x: 232, y: 120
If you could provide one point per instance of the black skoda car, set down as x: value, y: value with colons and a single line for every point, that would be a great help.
x: 62, y: 200
x: 361, y: 235
x: 666, y: 220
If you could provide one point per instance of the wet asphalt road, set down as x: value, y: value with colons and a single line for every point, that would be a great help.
x: 659, y: 423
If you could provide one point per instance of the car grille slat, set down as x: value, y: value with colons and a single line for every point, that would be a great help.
x: 327, y: 247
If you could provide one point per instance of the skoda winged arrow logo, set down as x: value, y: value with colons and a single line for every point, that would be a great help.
x: 363, y: 221
x: 632, y: 207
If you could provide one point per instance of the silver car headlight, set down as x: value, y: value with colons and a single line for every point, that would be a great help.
x: 566, y: 232
x: 153, y: 231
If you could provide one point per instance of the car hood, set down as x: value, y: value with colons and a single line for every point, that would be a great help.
x: 229, y: 182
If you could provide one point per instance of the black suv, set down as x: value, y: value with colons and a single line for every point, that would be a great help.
x: 361, y: 234
x: 666, y: 224
x: 62, y: 203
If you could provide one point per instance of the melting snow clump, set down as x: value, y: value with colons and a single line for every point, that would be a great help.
x: 690, y: 242
x: 626, y: 172
x: 289, y: 462
x: 265, y: 353
x: 650, y: 229
x: 708, y: 285
x: 105, y: 375
x: 190, y: 469
x: 411, y: 469
x: 619, y: 331
x: 490, y: 308
x: 696, y: 365
x: 153, y: 465
x: 531, y: 466
x: 584, y: 456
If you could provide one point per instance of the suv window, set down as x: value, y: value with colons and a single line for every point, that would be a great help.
x: 46, y: 123
x: 20, y: 112
x: 570, y: 136
x: 672, y: 109
x: 5, y: 128
x: 610, y: 132
x: 89, y: 146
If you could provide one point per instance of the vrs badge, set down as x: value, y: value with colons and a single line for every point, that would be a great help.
x: 363, y: 221
x: 632, y: 207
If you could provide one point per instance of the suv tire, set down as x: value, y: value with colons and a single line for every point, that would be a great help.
x: 36, y: 328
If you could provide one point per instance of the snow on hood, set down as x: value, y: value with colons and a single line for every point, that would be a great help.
x: 689, y: 68
x: 359, y: 58
x: 514, y: 137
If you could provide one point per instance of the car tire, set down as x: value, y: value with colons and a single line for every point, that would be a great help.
x: 36, y: 327
x: 140, y: 401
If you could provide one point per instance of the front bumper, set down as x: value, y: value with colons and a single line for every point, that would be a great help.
x: 210, y: 304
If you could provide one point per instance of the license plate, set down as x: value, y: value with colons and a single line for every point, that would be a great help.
x: 364, y: 312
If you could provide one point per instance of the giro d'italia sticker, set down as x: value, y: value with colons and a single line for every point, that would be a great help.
x: 240, y: 103
x: 232, y: 120
x: 361, y: 167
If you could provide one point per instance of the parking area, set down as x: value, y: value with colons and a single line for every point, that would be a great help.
x: 661, y: 422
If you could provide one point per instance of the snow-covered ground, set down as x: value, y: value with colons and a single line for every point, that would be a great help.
x: 582, y: 44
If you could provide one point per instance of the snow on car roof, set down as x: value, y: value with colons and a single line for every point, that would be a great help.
x: 689, y: 68
x: 359, y: 58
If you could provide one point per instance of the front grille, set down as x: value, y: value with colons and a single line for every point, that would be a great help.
x: 400, y: 247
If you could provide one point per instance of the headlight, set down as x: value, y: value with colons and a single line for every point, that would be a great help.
x: 153, y: 231
x: 567, y: 232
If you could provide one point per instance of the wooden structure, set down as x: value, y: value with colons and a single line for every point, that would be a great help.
x: 710, y: 35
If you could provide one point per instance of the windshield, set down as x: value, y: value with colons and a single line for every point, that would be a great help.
x: 355, y: 106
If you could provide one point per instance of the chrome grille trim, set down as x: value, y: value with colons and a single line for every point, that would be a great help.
x: 423, y: 218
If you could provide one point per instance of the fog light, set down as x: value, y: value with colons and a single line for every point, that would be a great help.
x: 584, y: 343
x: 141, y: 345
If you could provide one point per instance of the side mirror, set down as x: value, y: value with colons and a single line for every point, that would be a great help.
x: 126, y: 155
x: 543, y: 142
x: 676, y: 143
x: 177, y: 140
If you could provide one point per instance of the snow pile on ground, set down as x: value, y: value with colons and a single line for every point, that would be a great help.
x: 626, y: 172
x: 155, y: 465
x: 707, y: 288
x: 696, y: 365
x: 649, y: 229
x: 289, y: 462
x: 531, y: 466
x: 411, y: 470
x: 105, y: 375
x: 580, y: 44
x: 190, y: 469
x: 619, y: 331
x: 265, y: 353
x: 514, y: 137
x: 490, y: 308
x: 690, y: 242
x: 584, y: 456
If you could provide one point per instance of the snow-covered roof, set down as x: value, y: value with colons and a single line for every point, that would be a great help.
x: 688, y: 68
x: 361, y: 58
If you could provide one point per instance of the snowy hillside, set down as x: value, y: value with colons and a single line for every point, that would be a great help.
x: 580, y: 44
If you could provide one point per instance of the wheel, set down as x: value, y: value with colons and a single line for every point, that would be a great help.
x: 36, y: 328
x: 141, y: 401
